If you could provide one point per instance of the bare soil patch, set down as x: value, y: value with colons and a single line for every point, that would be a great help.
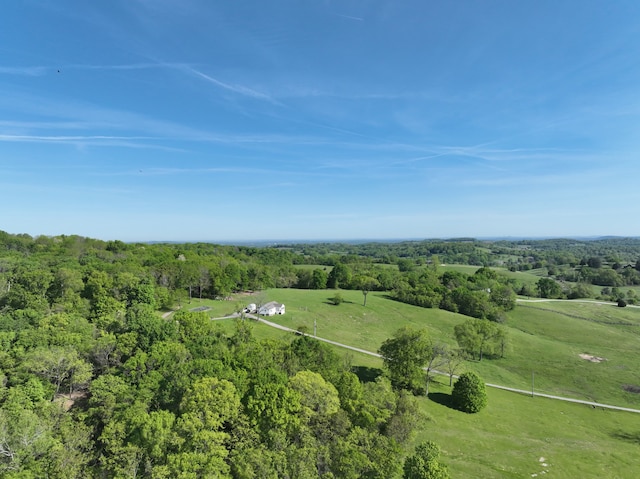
x: 592, y: 358
x: 630, y: 388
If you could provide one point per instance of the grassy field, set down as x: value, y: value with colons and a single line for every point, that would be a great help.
x: 311, y: 267
x: 545, y: 339
x: 517, y: 436
x: 509, y: 437
x: 524, y: 277
x: 548, y: 338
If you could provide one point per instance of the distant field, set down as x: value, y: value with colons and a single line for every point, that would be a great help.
x: 329, y: 268
x: 462, y: 268
x: 525, y: 277
x: 313, y: 266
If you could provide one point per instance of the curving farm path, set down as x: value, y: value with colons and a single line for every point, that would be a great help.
x: 549, y: 300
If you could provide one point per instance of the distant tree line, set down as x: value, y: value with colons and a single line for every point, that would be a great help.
x: 484, y: 294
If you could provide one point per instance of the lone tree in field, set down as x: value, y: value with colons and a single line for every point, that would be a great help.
x: 469, y: 393
x: 404, y: 356
x: 424, y: 464
x: 366, y: 284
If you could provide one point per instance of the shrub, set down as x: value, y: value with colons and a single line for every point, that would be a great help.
x: 469, y: 393
x: 337, y: 299
x: 621, y: 303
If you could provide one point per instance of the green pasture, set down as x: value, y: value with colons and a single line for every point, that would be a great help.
x: 515, y: 431
x: 461, y: 268
x: 354, y: 324
x: 523, y: 277
x: 311, y: 267
x: 509, y: 438
x: 545, y: 339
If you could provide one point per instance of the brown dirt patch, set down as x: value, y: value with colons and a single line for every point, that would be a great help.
x: 592, y: 358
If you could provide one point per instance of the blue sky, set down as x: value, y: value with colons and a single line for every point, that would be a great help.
x: 204, y: 120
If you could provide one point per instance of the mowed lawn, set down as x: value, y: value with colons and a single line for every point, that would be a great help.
x: 545, y: 339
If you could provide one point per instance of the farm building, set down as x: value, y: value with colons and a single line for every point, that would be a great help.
x: 271, y: 309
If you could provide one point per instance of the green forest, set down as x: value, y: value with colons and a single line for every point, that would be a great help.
x: 106, y: 373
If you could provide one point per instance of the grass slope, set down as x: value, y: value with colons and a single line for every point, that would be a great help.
x: 510, y: 436
x: 545, y: 338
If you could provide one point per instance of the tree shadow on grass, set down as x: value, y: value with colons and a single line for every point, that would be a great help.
x: 330, y: 302
x: 442, y: 399
x: 366, y: 374
x: 633, y: 437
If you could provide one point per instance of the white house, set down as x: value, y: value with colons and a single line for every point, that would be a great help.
x: 271, y: 309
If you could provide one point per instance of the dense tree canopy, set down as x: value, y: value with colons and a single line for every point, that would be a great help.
x: 96, y: 383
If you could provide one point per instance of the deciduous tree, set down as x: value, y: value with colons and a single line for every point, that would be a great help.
x: 424, y: 463
x: 404, y: 356
x: 548, y: 288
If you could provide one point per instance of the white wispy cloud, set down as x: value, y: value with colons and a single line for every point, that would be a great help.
x: 328, y: 216
x: 25, y: 71
x: 52, y: 139
x: 127, y: 66
x: 135, y: 142
x: 39, y: 70
x: 42, y: 125
x: 192, y: 171
x: 247, y: 171
x: 349, y: 17
x: 235, y: 88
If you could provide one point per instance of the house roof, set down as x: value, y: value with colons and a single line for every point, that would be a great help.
x: 272, y: 304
